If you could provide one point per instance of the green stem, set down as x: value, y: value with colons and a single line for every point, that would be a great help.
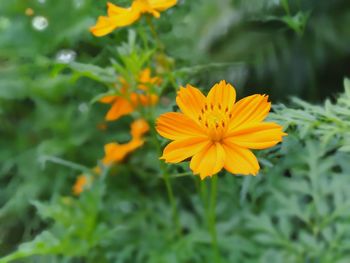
x: 57, y: 160
x: 285, y: 5
x: 166, y: 177
x: 171, y: 197
x: 155, y: 34
x: 212, y: 218
x: 203, y: 195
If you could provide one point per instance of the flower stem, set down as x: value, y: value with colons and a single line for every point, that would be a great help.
x: 155, y: 34
x: 171, y: 197
x: 166, y: 177
x: 212, y: 218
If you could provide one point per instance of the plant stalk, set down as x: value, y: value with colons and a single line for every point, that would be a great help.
x: 212, y: 218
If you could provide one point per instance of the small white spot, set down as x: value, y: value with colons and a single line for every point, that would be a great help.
x: 83, y: 107
x: 79, y: 3
x: 40, y: 23
x: 66, y: 56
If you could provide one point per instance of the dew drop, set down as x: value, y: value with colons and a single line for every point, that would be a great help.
x: 40, y: 23
x: 83, y: 107
x: 66, y: 56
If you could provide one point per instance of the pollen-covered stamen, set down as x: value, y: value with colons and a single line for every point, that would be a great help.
x: 214, y: 118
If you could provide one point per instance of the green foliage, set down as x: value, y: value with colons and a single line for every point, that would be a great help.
x: 295, y: 210
x: 306, y: 200
x: 65, y: 238
x: 287, y: 47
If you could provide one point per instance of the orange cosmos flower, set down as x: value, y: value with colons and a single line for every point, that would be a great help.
x: 121, y: 17
x: 128, y: 101
x: 115, y: 152
x: 217, y: 132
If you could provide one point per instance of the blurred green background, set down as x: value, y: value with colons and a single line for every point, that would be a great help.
x: 297, y: 210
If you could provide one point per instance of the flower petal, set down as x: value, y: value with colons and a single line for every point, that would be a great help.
x: 222, y: 93
x: 117, y: 17
x: 250, y: 109
x: 125, y: 18
x: 139, y: 128
x: 176, y: 125
x: 239, y: 160
x: 103, y: 26
x: 162, y: 5
x: 257, y: 135
x: 119, y: 108
x: 209, y: 161
x: 145, y: 75
x: 113, y: 9
x: 180, y: 150
x: 108, y: 99
x: 190, y: 101
x: 115, y: 152
x: 145, y: 100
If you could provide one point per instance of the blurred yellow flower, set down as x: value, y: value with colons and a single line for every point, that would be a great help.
x: 217, y: 132
x: 128, y: 101
x: 115, y: 152
x: 120, y: 17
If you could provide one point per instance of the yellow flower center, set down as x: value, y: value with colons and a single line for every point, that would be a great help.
x: 214, y: 118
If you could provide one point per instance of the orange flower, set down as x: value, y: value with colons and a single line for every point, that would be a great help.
x: 81, y: 182
x: 217, y: 132
x: 115, y: 152
x: 84, y: 181
x: 121, y: 17
x: 139, y: 128
x: 129, y: 101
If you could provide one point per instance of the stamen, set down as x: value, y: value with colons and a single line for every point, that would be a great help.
x: 219, y: 106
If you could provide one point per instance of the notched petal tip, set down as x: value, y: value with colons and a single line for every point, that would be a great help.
x: 190, y: 101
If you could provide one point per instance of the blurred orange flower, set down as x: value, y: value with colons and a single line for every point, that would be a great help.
x: 115, y: 152
x: 217, y: 132
x: 29, y: 11
x: 121, y: 17
x: 128, y: 101
x: 80, y: 184
x: 83, y: 181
